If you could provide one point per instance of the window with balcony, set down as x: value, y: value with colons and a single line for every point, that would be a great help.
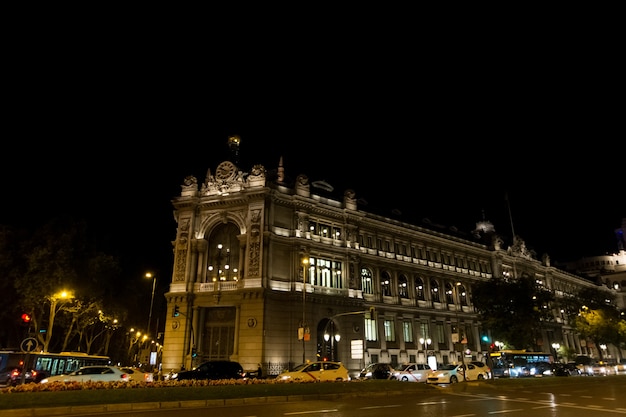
x: 223, y: 253
x: 385, y: 284
x: 434, y: 291
x: 419, y: 289
x: 403, y: 286
x: 449, y: 293
x: 366, y: 281
x: 325, y: 273
x: 462, y: 294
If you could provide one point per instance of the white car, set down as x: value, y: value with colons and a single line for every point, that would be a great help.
x: 412, y: 372
x: 137, y: 374
x: 101, y: 373
x: 316, y: 371
x: 453, y: 373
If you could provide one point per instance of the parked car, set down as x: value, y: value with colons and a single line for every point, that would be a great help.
x: 138, y: 374
x: 377, y: 371
x: 316, y: 371
x: 217, y: 369
x: 12, y: 376
x: 453, y: 373
x: 412, y: 372
x: 102, y: 373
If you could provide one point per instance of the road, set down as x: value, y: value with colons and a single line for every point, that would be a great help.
x: 591, y: 396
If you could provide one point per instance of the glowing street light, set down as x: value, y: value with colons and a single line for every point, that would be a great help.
x: 56, y: 301
x: 149, y: 275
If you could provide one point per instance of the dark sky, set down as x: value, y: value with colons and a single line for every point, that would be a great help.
x: 564, y: 200
x: 112, y: 141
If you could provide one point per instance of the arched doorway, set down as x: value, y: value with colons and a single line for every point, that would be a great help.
x: 328, y: 338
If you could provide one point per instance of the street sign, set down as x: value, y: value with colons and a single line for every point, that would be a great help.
x: 29, y: 344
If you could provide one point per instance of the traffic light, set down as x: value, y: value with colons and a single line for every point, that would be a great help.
x: 176, y: 311
x: 26, y: 318
x: 194, y: 353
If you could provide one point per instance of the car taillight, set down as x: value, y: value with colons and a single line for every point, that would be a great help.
x: 124, y: 376
x: 33, y: 373
x: 15, y: 372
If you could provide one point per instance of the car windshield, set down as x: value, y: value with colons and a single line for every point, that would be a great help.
x: 448, y: 367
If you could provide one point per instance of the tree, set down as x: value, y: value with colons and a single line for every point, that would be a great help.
x: 596, y: 326
x: 57, y: 256
x: 513, y: 310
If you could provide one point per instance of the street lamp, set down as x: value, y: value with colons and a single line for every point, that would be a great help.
x: 302, y: 332
x: 556, y: 347
x: 333, y: 338
x: 149, y: 275
x: 55, y: 301
x: 425, y: 342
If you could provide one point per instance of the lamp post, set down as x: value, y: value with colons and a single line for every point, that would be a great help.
x: 149, y: 275
x: 303, y: 331
x: 425, y: 342
x: 332, y: 337
x: 556, y: 347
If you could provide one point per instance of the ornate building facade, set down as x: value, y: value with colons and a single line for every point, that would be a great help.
x: 272, y: 272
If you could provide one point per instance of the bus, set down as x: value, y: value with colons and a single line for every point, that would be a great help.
x: 519, y: 363
x: 50, y: 364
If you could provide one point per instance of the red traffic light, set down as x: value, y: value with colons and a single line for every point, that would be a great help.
x: 26, y: 318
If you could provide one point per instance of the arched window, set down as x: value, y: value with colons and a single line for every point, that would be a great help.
x: 462, y: 295
x: 449, y: 293
x: 385, y: 284
x: 223, y: 253
x: 419, y: 289
x: 434, y: 291
x: 366, y: 281
x: 403, y: 287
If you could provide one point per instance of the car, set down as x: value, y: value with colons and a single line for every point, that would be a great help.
x: 12, y: 376
x: 562, y: 369
x: 453, y: 373
x: 138, y: 374
x: 501, y: 371
x: 316, y: 372
x: 214, y: 369
x: 540, y: 368
x: 584, y: 364
x: 100, y: 373
x: 603, y: 368
x: 482, y: 369
x: 412, y: 372
x: 377, y: 371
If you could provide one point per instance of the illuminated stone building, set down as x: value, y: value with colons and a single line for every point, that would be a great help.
x: 276, y: 272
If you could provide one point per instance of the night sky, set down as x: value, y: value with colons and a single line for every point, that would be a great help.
x: 450, y: 148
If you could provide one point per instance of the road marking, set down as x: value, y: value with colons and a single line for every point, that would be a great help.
x: 379, y: 406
